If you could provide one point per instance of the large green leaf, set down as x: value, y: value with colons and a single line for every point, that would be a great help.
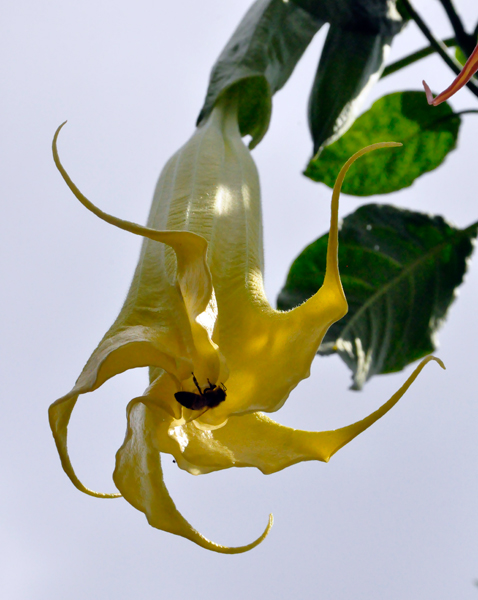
x: 367, y: 16
x: 427, y: 136
x: 271, y: 38
x: 350, y: 64
x: 352, y: 60
x: 258, y: 60
x: 400, y: 270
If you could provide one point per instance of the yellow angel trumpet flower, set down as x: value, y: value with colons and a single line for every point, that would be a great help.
x: 469, y: 69
x: 197, y: 315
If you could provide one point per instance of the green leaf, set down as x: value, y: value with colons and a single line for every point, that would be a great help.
x: 350, y: 64
x: 352, y: 60
x: 365, y: 16
x: 271, y: 38
x: 460, y: 55
x: 258, y: 60
x: 400, y: 270
x: 427, y: 136
x: 402, y: 10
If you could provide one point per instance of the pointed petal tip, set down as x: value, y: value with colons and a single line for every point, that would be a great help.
x: 58, y: 129
x: 428, y: 93
x: 59, y: 415
x: 204, y: 542
x: 241, y: 549
x: 340, y: 437
x: 102, y: 495
x: 436, y: 359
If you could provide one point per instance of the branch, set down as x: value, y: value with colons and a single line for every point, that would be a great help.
x: 415, y: 56
x: 466, y: 41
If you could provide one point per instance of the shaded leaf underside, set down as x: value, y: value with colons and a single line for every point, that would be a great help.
x: 400, y: 270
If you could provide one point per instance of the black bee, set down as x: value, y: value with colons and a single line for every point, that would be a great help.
x: 210, y: 397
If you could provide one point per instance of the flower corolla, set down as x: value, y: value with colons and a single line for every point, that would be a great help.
x: 197, y: 315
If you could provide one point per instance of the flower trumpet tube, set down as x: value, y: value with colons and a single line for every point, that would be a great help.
x: 469, y: 69
x: 196, y: 314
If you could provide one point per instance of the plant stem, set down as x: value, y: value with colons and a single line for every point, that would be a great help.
x: 450, y: 116
x: 418, y: 55
x: 468, y: 111
x: 466, y: 41
x: 437, y: 44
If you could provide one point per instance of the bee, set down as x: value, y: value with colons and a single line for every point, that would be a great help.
x: 210, y: 397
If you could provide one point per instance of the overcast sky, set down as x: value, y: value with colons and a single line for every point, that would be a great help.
x: 393, y: 515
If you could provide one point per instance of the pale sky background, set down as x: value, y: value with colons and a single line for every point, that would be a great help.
x: 393, y: 515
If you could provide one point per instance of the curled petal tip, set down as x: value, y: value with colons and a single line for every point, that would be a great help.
x: 54, y: 142
x: 267, y: 529
x: 438, y: 360
x: 428, y: 359
x: 260, y: 539
x: 205, y: 543
x: 428, y: 93
x: 59, y: 128
x: 59, y: 415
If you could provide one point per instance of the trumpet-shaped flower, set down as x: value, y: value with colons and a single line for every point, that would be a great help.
x: 469, y: 69
x: 197, y: 315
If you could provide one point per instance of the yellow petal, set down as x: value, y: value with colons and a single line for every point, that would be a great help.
x: 269, y: 352
x: 138, y: 475
x: 257, y: 441
x: 192, y: 275
x: 59, y: 416
x: 157, y: 326
x: 211, y: 186
x: 134, y: 347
